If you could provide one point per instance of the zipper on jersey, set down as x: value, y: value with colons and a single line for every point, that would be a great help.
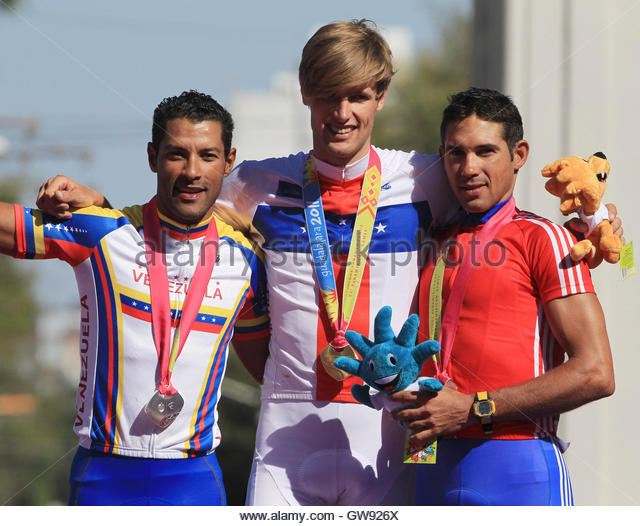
x: 152, y: 445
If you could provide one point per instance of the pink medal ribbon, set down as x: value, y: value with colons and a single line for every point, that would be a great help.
x: 458, y: 290
x: 159, y: 292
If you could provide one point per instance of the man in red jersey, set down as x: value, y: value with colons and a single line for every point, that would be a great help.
x: 512, y: 305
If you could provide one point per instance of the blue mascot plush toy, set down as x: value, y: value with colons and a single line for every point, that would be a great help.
x: 390, y: 363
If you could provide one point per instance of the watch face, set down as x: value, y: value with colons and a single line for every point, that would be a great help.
x: 484, y: 408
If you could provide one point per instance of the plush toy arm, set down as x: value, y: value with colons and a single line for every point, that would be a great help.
x: 358, y: 342
x: 347, y: 364
x: 361, y: 394
x: 425, y: 350
x: 430, y: 384
x: 407, y: 335
x: 554, y: 168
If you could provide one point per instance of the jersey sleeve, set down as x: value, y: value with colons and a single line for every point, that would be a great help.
x: 41, y: 236
x: 433, y: 183
x: 253, y: 319
x: 554, y: 273
x: 237, y: 200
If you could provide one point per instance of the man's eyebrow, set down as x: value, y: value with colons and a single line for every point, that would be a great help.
x: 214, y: 149
x: 450, y: 146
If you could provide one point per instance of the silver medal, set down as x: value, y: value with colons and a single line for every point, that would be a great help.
x: 163, y: 409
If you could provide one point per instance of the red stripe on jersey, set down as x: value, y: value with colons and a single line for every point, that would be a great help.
x: 108, y: 442
x: 206, y: 327
x: 569, y: 272
x: 136, y: 313
x: 21, y: 244
x: 68, y: 251
x: 573, y: 271
x: 146, y: 315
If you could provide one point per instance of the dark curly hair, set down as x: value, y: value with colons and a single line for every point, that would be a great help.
x: 489, y: 105
x: 196, y: 107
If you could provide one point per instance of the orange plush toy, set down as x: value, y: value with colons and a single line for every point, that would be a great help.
x: 580, y: 185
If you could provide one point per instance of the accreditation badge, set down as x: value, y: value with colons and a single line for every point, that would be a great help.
x: 419, y: 455
x: 329, y: 355
x: 163, y: 409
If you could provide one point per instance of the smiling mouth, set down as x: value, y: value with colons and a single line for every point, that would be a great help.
x: 473, y: 189
x: 188, y: 193
x: 387, y: 383
x: 340, y: 131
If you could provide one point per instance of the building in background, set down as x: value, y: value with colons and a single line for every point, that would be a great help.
x: 571, y: 68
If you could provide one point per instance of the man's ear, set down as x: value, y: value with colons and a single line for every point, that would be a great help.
x: 381, y: 100
x: 228, y: 163
x: 306, y: 99
x: 520, y: 154
x: 441, y: 151
x: 153, y: 157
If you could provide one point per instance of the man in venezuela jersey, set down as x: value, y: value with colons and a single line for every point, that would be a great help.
x: 161, y: 287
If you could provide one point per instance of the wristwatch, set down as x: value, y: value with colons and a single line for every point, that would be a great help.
x: 484, y: 408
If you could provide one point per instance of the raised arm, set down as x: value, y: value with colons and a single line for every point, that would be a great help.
x: 7, y: 229
x: 578, y: 324
x: 59, y: 194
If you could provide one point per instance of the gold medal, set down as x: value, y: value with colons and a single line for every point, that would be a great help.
x: 328, y: 356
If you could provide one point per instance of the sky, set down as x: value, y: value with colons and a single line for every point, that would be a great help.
x: 89, y: 75
x: 92, y: 73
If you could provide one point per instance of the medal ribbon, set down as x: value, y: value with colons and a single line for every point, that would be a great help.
x: 321, y: 252
x: 159, y: 291
x: 456, y: 295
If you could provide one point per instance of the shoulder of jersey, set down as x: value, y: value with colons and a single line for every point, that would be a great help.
x: 411, y: 163
x: 232, y: 235
x: 279, y: 165
x: 528, y: 221
x: 96, y: 211
x: 529, y: 218
x: 133, y: 214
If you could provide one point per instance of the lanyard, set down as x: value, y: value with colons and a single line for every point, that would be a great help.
x: 159, y: 292
x: 449, y: 322
x: 321, y: 252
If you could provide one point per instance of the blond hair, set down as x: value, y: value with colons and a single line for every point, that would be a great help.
x: 343, y: 55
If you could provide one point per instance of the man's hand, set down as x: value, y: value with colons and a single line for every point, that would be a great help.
x: 579, y: 229
x: 59, y: 194
x: 433, y: 415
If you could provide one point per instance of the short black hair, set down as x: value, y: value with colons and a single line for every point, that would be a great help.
x: 196, y: 107
x: 489, y: 105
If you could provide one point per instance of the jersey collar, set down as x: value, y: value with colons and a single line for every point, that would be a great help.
x: 342, y: 173
x: 181, y: 231
x: 480, y: 218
